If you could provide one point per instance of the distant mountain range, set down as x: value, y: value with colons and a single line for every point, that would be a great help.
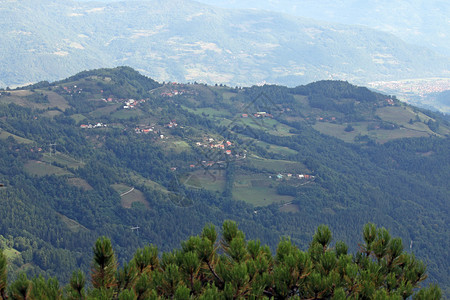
x: 179, y: 40
x: 421, y: 22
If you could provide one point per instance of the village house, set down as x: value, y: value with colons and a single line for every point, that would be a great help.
x: 89, y: 126
x: 262, y: 114
x: 172, y: 124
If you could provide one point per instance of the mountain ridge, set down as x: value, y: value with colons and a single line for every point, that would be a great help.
x: 418, y: 22
x: 186, y: 41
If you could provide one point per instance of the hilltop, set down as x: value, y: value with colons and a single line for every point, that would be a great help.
x: 108, y: 150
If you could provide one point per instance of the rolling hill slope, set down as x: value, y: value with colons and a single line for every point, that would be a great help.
x: 120, y: 150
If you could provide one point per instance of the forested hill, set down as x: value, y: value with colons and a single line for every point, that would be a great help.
x: 111, y: 152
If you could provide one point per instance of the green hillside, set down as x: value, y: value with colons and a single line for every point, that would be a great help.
x: 120, y: 150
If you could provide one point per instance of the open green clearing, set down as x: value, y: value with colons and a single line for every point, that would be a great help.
x: 78, y: 117
x: 380, y: 135
x: 73, y: 225
x: 129, y: 195
x: 5, y: 134
x: 135, y: 196
x: 400, y: 115
x: 121, y: 188
x: 211, y: 180
x: 39, y: 168
x: 228, y: 95
x: 21, y: 93
x: 127, y: 113
x: 79, y: 182
x: 104, y: 111
x: 11, y: 253
x: 276, y: 165
x: 62, y: 159
x: 56, y: 100
x: 259, y: 195
x: 177, y: 146
x: 208, y: 111
x: 419, y: 126
x: 269, y: 125
x: 51, y: 113
x: 258, y: 190
x: 18, y: 97
x: 276, y: 149
x: 140, y: 180
x: 384, y: 136
x: 337, y: 130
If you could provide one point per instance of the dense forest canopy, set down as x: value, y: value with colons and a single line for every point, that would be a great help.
x: 109, y: 150
x: 230, y: 267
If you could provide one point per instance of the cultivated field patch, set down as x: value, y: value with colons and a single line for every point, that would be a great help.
x: 211, y: 180
x: 276, y: 165
x: 73, y: 225
x: 129, y: 195
x: 5, y: 134
x: 259, y: 195
x: 62, y: 159
x: 40, y: 168
x: 81, y: 183
x: 56, y: 100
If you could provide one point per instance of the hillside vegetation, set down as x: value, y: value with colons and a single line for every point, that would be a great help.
x: 115, y: 150
x: 231, y: 267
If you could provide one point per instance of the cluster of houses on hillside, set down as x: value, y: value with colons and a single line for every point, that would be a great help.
x: 260, y: 114
x: 171, y: 124
x: 90, y: 126
x: 325, y: 119
x: 35, y: 149
x: 281, y: 176
x: 176, y: 91
x: 131, y: 103
x: 144, y: 130
x: 390, y: 101
x: 72, y: 89
x: 150, y: 129
x: 210, y: 143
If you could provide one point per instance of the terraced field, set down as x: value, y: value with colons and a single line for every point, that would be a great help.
x: 129, y: 195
